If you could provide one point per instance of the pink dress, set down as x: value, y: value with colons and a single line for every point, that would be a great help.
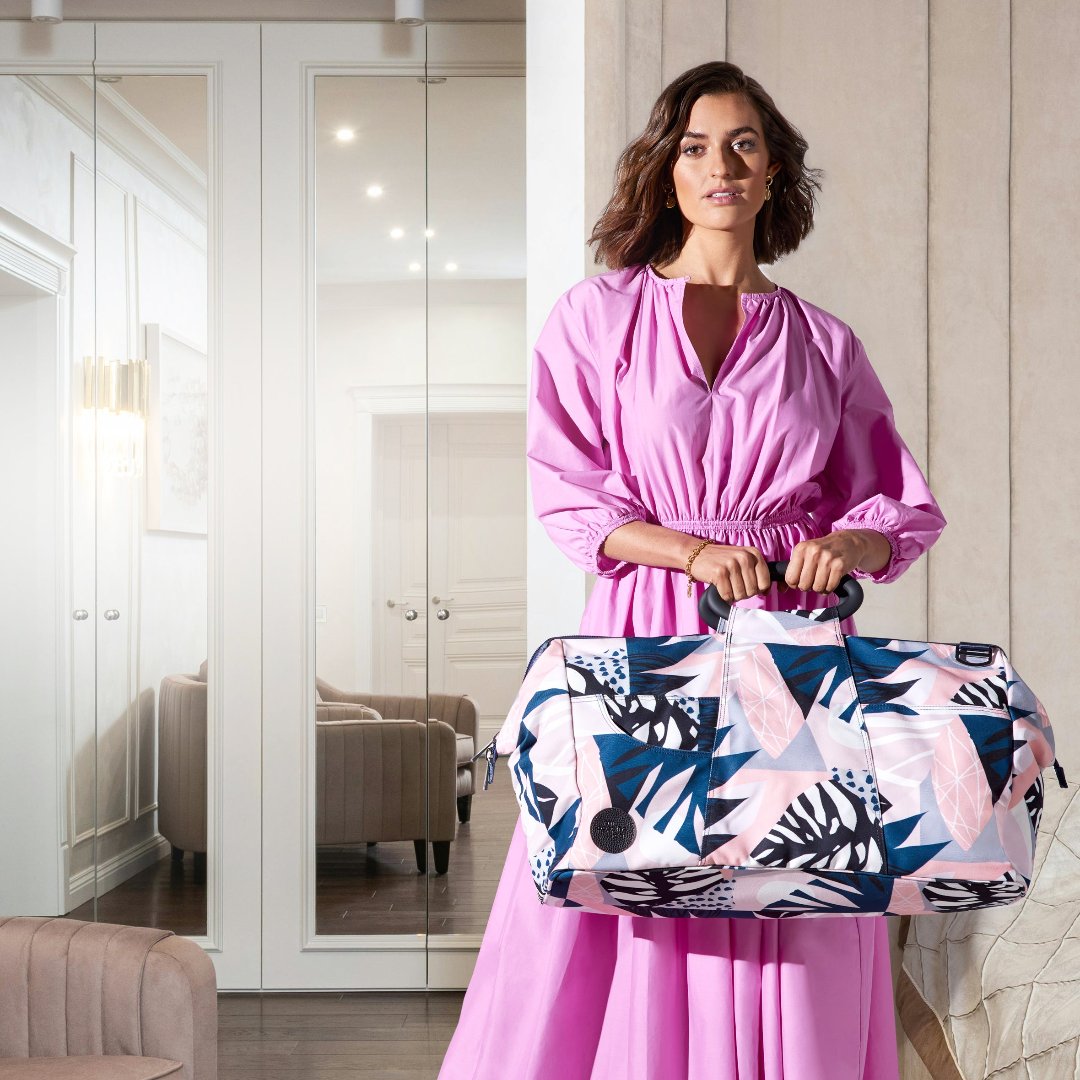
x: 794, y: 439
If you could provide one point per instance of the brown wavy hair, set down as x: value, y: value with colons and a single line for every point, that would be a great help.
x: 636, y: 227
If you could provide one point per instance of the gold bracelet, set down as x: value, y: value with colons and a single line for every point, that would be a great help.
x: 690, y: 579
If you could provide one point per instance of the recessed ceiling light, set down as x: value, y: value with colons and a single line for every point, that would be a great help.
x: 374, y: 190
x: 429, y: 233
x: 414, y: 266
x: 344, y: 134
x: 397, y: 232
x: 451, y: 266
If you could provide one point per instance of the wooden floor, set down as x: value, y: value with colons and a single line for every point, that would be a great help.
x: 396, y: 1036
x: 358, y: 889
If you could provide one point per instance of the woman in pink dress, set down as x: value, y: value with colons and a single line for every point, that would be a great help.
x: 681, y: 397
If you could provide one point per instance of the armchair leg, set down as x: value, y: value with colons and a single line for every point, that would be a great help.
x: 200, y: 866
x: 442, y: 855
x: 464, y: 808
x: 177, y: 853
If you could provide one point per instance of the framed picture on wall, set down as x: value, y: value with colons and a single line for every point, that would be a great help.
x: 177, y: 465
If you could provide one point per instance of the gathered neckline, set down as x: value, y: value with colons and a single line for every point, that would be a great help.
x: 656, y: 276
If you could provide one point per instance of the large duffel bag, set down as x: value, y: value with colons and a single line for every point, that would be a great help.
x: 776, y: 768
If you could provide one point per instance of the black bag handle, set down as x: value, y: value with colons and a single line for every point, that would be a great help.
x: 714, y: 607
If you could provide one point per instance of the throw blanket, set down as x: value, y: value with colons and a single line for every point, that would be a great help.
x: 996, y: 993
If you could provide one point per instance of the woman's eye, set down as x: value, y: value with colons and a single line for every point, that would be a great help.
x: 748, y: 143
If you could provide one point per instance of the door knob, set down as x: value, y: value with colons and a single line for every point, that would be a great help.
x: 112, y: 614
x: 443, y: 614
x: 411, y: 614
x: 80, y: 614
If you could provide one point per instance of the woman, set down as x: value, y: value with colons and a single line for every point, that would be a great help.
x: 683, y: 397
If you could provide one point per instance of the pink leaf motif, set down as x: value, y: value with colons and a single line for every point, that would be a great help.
x: 960, y: 785
x: 772, y: 712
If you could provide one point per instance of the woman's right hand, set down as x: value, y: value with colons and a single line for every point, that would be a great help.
x: 737, y: 572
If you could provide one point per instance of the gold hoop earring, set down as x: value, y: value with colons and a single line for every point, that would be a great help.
x: 768, y: 187
x: 671, y: 202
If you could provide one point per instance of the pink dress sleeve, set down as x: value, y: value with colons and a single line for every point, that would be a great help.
x: 871, y: 479
x: 576, y: 494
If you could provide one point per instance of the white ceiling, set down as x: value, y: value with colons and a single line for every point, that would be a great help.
x: 471, y: 193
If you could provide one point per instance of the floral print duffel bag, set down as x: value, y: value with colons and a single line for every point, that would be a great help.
x: 776, y: 768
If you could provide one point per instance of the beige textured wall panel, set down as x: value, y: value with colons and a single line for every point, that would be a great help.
x: 856, y: 87
x: 606, y: 131
x: 694, y: 31
x: 968, y: 301
x: 1045, y: 320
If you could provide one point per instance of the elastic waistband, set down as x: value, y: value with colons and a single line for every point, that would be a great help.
x: 765, y: 521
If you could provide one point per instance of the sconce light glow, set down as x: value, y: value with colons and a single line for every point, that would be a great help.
x: 397, y: 232
x: 451, y: 266
x: 429, y: 233
x: 374, y: 190
x: 344, y: 134
x: 414, y: 266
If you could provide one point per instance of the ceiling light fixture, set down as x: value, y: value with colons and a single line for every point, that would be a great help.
x: 51, y: 11
x: 409, y: 12
x: 344, y: 134
x: 374, y: 191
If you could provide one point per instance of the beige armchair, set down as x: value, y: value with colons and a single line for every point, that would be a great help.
x: 181, y: 756
x: 381, y: 798
x: 82, y: 1000
x: 457, y: 710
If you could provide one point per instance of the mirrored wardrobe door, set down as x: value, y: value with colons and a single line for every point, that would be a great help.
x: 345, y: 506
x: 47, y: 467
x: 371, y: 499
x: 151, y: 373
x: 178, y: 573
x: 477, y: 647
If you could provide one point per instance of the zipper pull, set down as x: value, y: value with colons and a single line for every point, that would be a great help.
x: 491, y: 753
x: 1060, y: 772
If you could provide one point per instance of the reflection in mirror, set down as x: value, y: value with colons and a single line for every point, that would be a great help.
x: 420, y: 494
x: 477, y: 646
x: 115, y: 511
x: 371, y: 505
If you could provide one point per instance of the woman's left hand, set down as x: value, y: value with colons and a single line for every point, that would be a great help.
x: 818, y: 564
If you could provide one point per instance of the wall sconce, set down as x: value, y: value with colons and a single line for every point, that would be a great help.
x: 120, y: 394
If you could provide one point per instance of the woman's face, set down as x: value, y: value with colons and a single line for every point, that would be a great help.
x: 723, y: 147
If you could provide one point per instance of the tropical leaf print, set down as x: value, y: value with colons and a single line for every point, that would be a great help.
x: 965, y: 895
x: 659, y: 785
x: 960, y: 786
x: 838, y: 893
x: 696, y: 888
x: 873, y: 661
x: 992, y: 737
x: 650, y: 657
x: 989, y: 693
x: 826, y: 827
x: 677, y: 722
x: 812, y: 673
x: 773, y: 714
x: 1033, y: 800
